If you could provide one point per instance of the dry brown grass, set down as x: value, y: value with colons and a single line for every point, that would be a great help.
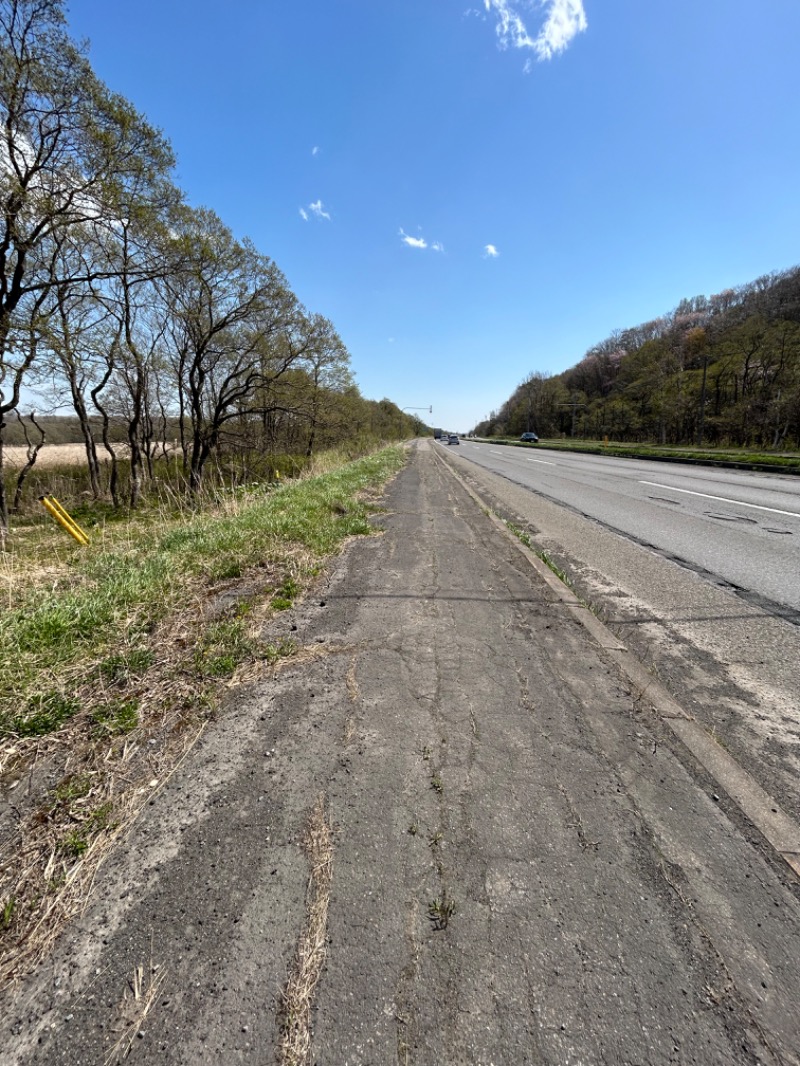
x: 139, y: 995
x: 56, y: 838
x: 298, y: 996
x: 50, y: 455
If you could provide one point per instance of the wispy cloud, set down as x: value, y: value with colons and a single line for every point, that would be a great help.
x: 315, y: 150
x: 413, y: 242
x: 304, y: 214
x: 319, y: 210
x: 437, y: 246
x: 490, y: 252
x: 564, y: 19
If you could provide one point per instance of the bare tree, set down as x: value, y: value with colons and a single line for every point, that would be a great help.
x: 72, y: 154
x: 233, y: 317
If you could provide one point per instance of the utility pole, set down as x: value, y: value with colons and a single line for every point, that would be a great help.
x: 574, y: 405
x: 429, y: 409
x: 702, y: 412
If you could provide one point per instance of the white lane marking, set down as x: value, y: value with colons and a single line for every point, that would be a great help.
x: 721, y: 499
x: 504, y: 453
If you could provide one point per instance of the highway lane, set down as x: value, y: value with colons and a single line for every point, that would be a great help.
x: 741, y: 528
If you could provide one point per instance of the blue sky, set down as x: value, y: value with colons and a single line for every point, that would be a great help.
x: 571, y: 166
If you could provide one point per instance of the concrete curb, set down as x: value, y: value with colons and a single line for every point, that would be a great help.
x: 779, y: 830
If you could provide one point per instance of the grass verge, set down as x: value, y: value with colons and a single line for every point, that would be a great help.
x: 113, y: 659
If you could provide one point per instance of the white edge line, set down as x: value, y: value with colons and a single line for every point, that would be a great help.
x: 721, y: 499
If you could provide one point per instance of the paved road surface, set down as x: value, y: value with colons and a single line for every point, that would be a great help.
x: 728, y: 655
x: 470, y: 744
x: 743, y: 528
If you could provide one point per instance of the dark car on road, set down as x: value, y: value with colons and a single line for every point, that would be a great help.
x: 530, y: 438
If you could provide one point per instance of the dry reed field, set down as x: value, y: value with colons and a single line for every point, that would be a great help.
x: 50, y: 455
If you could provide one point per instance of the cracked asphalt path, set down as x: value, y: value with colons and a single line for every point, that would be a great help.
x: 524, y: 871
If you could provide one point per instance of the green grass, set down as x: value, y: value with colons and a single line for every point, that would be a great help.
x: 120, y: 589
x: 43, y: 713
x: 116, y: 718
x: 285, y: 595
x: 540, y: 553
x: 126, y: 666
x: 77, y: 841
x: 8, y: 912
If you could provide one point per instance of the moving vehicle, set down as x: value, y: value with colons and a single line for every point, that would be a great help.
x: 530, y: 438
x: 452, y: 438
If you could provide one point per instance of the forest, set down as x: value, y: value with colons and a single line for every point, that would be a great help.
x: 140, y: 319
x: 718, y: 371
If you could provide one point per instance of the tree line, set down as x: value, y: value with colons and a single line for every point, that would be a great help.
x: 722, y: 370
x: 142, y: 315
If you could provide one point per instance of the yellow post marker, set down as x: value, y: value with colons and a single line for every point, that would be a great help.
x: 65, y: 520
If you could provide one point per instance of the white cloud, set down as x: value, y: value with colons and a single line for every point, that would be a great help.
x: 318, y: 209
x: 564, y: 19
x: 490, y: 252
x: 304, y: 214
x: 315, y: 150
x: 437, y: 246
x: 413, y: 242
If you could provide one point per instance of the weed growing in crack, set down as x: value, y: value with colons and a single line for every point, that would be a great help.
x: 437, y: 784
x: 441, y: 910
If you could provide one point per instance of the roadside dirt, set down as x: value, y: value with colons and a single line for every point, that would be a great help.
x: 518, y: 869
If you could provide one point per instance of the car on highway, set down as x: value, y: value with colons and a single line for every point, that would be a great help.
x: 529, y: 438
x: 452, y: 438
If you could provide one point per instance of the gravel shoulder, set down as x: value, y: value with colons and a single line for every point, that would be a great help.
x: 522, y: 870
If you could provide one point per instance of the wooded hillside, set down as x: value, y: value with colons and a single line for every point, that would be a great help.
x: 718, y: 370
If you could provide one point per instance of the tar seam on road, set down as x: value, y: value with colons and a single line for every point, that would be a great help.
x: 778, y: 829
